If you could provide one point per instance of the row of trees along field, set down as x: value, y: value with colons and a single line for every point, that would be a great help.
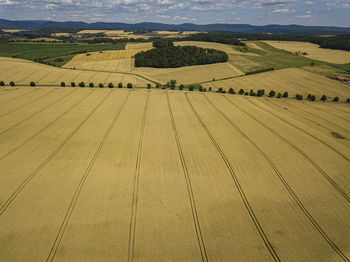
x: 166, y: 55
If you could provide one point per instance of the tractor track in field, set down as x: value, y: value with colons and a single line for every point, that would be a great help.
x: 27, y: 75
x: 238, y: 186
x: 280, y: 176
x: 331, y: 113
x: 15, y: 98
x: 52, y: 254
x: 189, y: 186
x: 37, y: 112
x: 47, y: 160
x: 28, y: 103
x: 135, y: 194
x: 302, y: 130
x: 44, y: 128
x: 306, y: 157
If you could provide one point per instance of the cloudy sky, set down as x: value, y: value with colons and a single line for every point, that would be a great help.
x: 256, y: 12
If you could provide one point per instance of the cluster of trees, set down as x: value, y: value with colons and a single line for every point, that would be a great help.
x: 100, y: 85
x: 161, y: 43
x: 214, y: 37
x: 178, y: 56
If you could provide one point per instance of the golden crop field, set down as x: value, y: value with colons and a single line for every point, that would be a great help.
x: 157, y: 175
x: 12, y: 30
x: 313, y: 51
x: 22, y: 72
x: 293, y: 80
x: 137, y: 46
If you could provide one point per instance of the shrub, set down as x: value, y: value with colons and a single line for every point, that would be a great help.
x: 209, y: 89
x: 200, y: 88
x: 246, y: 93
x: 2, y: 83
x: 12, y: 83
x: 252, y: 93
x: 312, y: 63
x: 263, y: 91
x: 129, y: 85
x: 348, y: 100
x: 63, y: 84
x: 110, y: 85
x: 100, y: 85
x: 204, y: 90
x: 149, y: 86
x: 72, y: 84
x: 324, y: 98
x: 231, y: 91
x: 220, y: 90
x: 120, y: 85
x: 272, y: 93
x: 285, y: 94
x: 259, y: 93
x: 91, y: 84
x: 299, y: 97
x: 241, y: 91
x: 336, y: 99
x: 279, y: 95
x: 82, y: 84
x: 312, y: 98
x: 191, y: 88
x: 173, y: 83
x: 32, y: 84
x: 159, y: 85
x: 181, y: 87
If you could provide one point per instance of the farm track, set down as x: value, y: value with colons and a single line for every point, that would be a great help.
x: 189, y: 187
x: 45, y: 127
x: 28, y: 103
x: 238, y: 186
x: 47, y: 160
x: 135, y: 194
x: 74, y: 200
x: 280, y: 176
x: 15, y: 98
x: 304, y: 131
x: 319, y: 169
x: 34, y: 114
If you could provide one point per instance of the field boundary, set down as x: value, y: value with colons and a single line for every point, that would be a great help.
x: 15, y: 98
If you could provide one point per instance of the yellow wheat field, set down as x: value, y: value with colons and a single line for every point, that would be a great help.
x: 313, y: 51
x: 137, y: 46
x: 293, y: 80
x: 120, y: 175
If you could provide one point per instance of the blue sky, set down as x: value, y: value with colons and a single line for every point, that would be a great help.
x: 256, y: 12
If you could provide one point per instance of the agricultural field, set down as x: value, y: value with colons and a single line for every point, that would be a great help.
x: 293, y: 80
x: 159, y: 175
x: 313, y: 51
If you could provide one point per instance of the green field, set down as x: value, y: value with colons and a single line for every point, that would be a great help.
x: 55, y: 53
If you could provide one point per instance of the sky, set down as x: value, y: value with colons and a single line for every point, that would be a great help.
x: 255, y: 12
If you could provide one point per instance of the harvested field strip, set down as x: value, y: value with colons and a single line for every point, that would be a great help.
x: 10, y: 127
x: 306, y: 132
x: 27, y: 103
x: 280, y: 176
x: 44, y: 163
x: 239, y: 188
x: 8, y: 97
x: 189, y: 186
x: 333, y: 114
x: 135, y: 191
x: 72, y: 204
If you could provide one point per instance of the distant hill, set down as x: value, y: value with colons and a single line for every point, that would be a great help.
x: 244, y: 28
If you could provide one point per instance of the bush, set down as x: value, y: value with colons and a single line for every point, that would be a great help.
x: 82, y: 84
x: 231, y: 91
x: 241, y: 91
x: 324, y: 98
x: 159, y: 85
x: 348, y: 100
x: 149, y: 86
x: 209, y: 89
x: 336, y: 99
x: 220, y: 90
x: 246, y: 93
x: 110, y: 85
x: 72, y: 84
x: 129, y: 85
x: 2, y: 83
x: 204, y: 90
x: 191, y: 88
x: 263, y: 91
x: 91, y: 84
x: 272, y: 93
x: 285, y: 94
x: 259, y: 93
x: 200, y: 88
x: 181, y: 87
x: 299, y: 97
x: 120, y: 85
x: 279, y: 95
x: 252, y: 93
x: 100, y: 85
x: 32, y: 84
x: 312, y: 98
x: 63, y: 84
x: 12, y: 83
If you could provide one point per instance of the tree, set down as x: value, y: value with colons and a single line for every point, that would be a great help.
x: 312, y: 98
x: 252, y: 93
x: 181, y: 87
x: 348, y: 100
x: 173, y: 83
x: 100, y: 85
x: 279, y: 95
x: 120, y: 85
x: 161, y: 43
x: 241, y: 91
x: 263, y: 91
x: 110, y: 85
x: 158, y: 85
x: 72, y: 84
x: 129, y: 85
x: 191, y: 88
x: 209, y: 89
x: 246, y: 93
x: 149, y: 86
x: 12, y: 83
x: 231, y: 91
x: 312, y: 63
x: 259, y: 93
x: 91, y: 84
x: 32, y: 84
x: 204, y: 90
x: 200, y: 88
x: 336, y: 99
x: 2, y: 83
x: 299, y: 97
x: 272, y: 93
x: 220, y: 90
x: 324, y: 98
x: 63, y: 84
x: 285, y: 94
x: 82, y: 84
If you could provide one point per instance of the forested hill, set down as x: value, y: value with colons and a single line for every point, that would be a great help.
x: 39, y: 24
